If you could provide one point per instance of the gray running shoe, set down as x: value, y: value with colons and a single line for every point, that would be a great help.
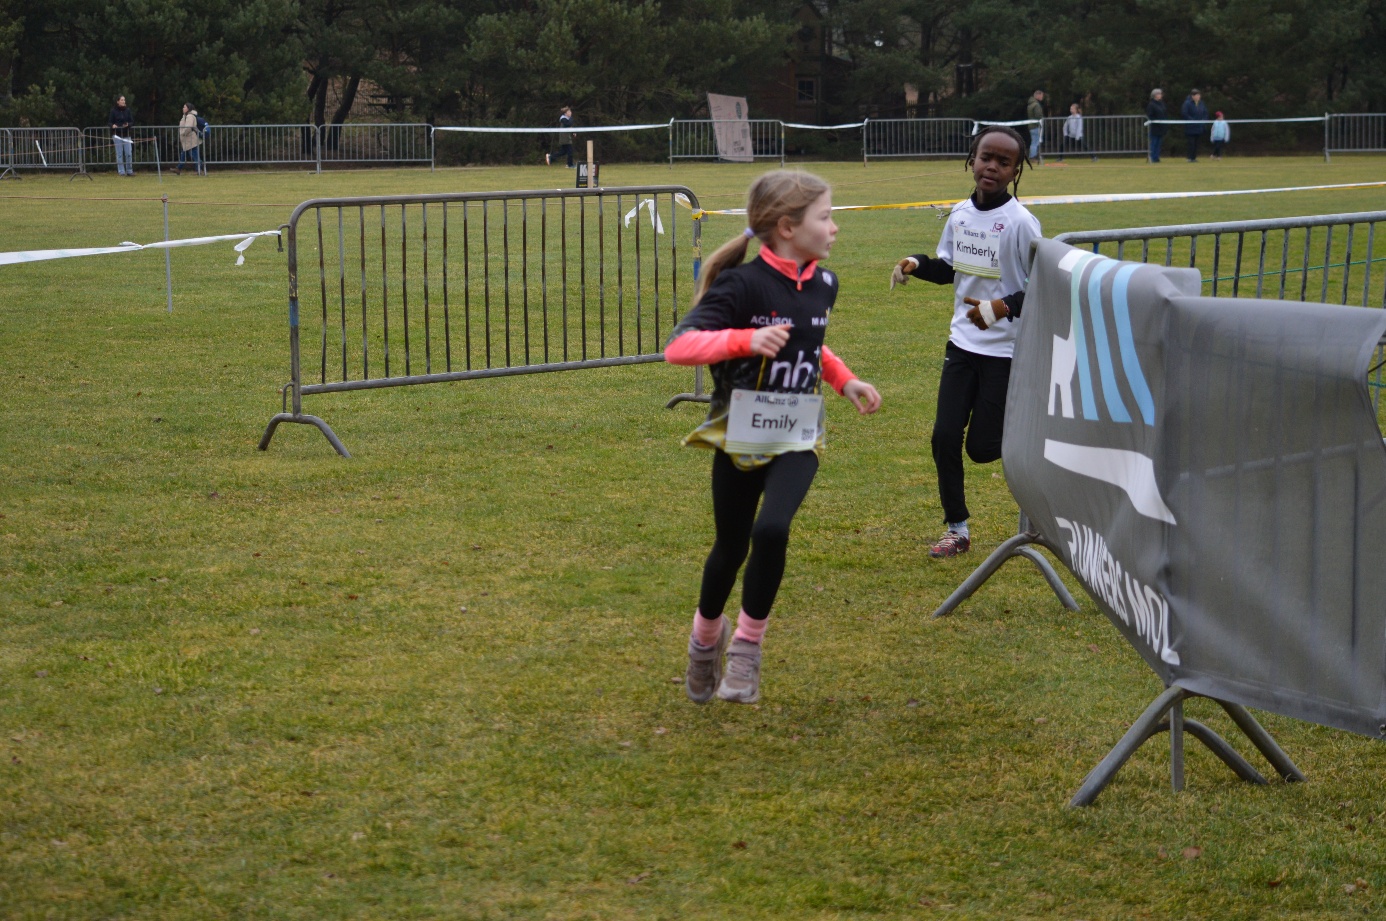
x: 741, y: 684
x: 705, y: 666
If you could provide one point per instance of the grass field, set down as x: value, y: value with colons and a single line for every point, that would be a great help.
x: 438, y: 680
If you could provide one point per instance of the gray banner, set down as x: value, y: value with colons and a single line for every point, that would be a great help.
x: 1212, y: 471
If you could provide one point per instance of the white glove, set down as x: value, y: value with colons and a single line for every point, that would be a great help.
x: 900, y: 274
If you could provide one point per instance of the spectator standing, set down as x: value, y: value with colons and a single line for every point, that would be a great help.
x: 121, y: 120
x: 1221, y: 134
x: 565, y: 137
x: 1073, y: 131
x: 1155, y: 114
x: 1195, y: 113
x: 1034, y: 112
x: 189, y: 138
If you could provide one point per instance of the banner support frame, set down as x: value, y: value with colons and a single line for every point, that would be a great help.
x: 1019, y: 545
x: 1166, y: 714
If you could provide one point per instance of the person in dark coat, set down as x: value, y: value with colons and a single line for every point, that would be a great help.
x: 121, y: 120
x: 1155, y: 112
x: 564, y: 137
x: 1195, y: 113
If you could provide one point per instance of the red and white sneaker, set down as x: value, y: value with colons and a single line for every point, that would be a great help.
x: 950, y: 544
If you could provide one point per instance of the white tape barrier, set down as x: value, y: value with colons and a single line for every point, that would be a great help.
x: 571, y: 129
x: 40, y: 255
x: 1156, y: 196
x: 582, y: 129
x: 1234, y: 121
x: 824, y: 127
x: 649, y: 203
x: 1076, y: 199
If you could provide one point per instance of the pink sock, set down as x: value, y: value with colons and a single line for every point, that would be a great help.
x: 706, y: 632
x: 750, y: 629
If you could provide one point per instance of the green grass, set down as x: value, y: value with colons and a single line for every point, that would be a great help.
x: 436, y: 680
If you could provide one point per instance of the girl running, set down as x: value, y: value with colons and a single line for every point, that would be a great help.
x: 985, y: 254
x: 760, y: 326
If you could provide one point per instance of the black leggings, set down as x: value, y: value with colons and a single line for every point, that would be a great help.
x: 782, y: 483
x: 971, y: 405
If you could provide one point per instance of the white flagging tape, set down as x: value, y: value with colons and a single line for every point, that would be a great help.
x: 824, y: 127
x: 582, y: 129
x: 1024, y: 121
x: 1074, y: 199
x: 1234, y: 121
x: 655, y: 222
x: 1155, y: 196
x: 40, y: 255
x: 579, y: 129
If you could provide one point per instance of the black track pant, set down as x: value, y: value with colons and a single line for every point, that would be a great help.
x: 971, y: 403
x: 778, y: 488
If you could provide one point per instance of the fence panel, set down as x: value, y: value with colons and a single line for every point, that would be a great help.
x: 353, y: 143
x: 43, y: 149
x: 1102, y: 135
x: 916, y: 137
x: 399, y: 290
x: 697, y: 140
x: 151, y: 145
x: 1363, y: 133
x: 1329, y: 258
x: 232, y: 145
x: 250, y: 145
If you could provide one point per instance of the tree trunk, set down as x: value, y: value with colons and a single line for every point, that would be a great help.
x: 965, y: 68
x: 334, y: 133
x: 347, y: 101
x: 320, y: 103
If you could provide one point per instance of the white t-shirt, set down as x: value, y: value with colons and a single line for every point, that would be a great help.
x: 990, y: 255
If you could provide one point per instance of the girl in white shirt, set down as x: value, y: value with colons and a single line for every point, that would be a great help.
x: 985, y: 254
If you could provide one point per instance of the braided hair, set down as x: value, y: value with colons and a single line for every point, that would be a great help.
x: 1019, y: 145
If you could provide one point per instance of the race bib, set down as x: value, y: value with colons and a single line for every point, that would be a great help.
x: 773, y: 423
x: 977, y: 251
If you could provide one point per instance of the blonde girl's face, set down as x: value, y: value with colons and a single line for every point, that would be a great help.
x: 813, y: 237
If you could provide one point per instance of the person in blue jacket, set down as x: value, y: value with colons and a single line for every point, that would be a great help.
x: 1221, y: 134
x: 1195, y: 113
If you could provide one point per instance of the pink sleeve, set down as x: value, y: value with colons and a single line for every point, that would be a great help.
x: 708, y: 346
x: 835, y: 371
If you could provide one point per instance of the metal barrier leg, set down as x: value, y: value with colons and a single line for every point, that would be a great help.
x: 1263, y: 741
x: 1142, y: 729
x: 1152, y: 721
x: 984, y: 572
x: 1226, y: 753
x: 1056, y: 584
x: 1010, y: 548
x: 697, y: 396
x: 1175, y: 725
x: 303, y: 420
x: 11, y: 173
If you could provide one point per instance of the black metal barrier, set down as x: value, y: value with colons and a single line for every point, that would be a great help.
x: 1329, y: 259
x: 1294, y: 258
x: 421, y: 289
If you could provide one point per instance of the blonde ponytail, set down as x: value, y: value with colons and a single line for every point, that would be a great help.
x: 777, y: 194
